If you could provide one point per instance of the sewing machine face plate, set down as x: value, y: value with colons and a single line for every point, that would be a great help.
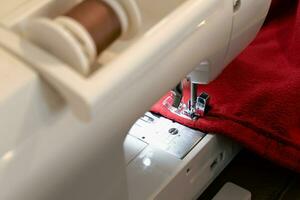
x: 173, y: 138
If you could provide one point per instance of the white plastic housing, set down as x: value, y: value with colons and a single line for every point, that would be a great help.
x: 247, y: 19
x: 45, y: 151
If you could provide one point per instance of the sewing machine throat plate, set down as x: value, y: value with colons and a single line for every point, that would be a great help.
x: 174, y: 138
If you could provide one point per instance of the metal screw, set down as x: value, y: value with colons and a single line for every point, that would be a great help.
x: 173, y: 131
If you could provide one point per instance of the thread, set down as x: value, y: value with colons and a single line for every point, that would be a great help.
x: 100, y: 21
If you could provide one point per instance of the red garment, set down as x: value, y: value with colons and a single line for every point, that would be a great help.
x: 256, y: 100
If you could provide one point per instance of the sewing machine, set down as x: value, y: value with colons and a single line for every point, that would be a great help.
x: 75, y: 129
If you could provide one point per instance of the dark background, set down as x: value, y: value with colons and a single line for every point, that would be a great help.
x: 264, y: 179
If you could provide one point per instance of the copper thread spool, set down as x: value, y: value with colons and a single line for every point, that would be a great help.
x: 100, y: 20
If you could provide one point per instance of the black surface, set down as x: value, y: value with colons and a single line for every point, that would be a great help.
x: 264, y: 179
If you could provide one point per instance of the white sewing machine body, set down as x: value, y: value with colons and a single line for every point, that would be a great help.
x: 62, y: 134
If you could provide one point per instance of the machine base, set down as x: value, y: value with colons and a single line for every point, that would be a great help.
x: 166, y: 160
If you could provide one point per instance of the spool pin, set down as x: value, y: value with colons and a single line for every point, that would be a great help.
x: 81, y: 34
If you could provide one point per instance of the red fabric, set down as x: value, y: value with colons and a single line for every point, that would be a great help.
x: 256, y: 100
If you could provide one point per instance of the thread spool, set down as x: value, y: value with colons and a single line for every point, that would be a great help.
x: 100, y: 20
x: 82, y: 33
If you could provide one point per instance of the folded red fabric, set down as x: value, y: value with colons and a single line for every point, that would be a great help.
x: 256, y: 100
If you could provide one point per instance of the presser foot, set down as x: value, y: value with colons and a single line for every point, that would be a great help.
x: 191, y: 110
